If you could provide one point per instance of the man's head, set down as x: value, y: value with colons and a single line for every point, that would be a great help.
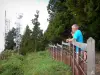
x: 74, y: 27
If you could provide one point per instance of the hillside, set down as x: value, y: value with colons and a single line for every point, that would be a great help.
x: 39, y: 63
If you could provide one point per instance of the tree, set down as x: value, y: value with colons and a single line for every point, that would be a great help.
x: 25, y: 43
x: 37, y: 34
x: 60, y: 21
x: 64, y: 13
x: 86, y: 13
x: 9, y: 43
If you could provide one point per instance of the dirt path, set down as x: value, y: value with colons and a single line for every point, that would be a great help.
x: 97, y: 63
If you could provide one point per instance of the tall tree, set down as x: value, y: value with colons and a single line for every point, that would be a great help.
x: 25, y: 43
x: 9, y: 43
x: 60, y: 21
x: 37, y: 32
x: 86, y: 13
x: 63, y: 13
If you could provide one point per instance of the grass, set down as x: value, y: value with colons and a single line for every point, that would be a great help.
x: 39, y: 63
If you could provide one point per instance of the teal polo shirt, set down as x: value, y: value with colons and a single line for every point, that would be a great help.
x: 78, y: 37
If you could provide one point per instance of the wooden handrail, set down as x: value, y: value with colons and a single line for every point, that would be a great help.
x: 89, y: 47
x: 83, y: 46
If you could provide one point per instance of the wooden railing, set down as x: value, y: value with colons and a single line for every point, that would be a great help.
x: 80, y: 65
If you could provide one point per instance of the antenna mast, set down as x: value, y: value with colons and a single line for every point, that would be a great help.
x: 7, y: 26
x: 18, y: 35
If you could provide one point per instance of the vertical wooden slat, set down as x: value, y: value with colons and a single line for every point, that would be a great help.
x: 61, y: 52
x: 56, y: 54
x: 90, y: 56
x: 73, y: 60
x: 53, y: 52
x: 69, y: 56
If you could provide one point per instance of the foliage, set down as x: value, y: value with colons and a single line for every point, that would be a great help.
x: 64, y: 13
x: 33, y: 64
x: 11, y: 66
x: 86, y: 13
x: 7, y: 53
x: 34, y: 40
x: 25, y: 43
x: 9, y: 43
x: 60, y: 23
x: 37, y: 34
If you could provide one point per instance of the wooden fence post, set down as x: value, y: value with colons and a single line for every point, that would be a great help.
x: 90, y: 56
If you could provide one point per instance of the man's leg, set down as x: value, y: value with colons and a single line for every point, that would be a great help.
x: 85, y: 55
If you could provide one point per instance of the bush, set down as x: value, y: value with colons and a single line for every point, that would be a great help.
x: 37, y: 63
x: 41, y: 63
x: 7, y: 53
x: 12, y: 66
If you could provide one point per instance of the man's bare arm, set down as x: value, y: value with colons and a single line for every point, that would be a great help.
x: 69, y: 40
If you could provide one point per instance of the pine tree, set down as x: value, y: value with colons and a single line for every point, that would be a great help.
x: 25, y: 43
x: 60, y: 20
x: 9, y: 43
x: 37, y: 32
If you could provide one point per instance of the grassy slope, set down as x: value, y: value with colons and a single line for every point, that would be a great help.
x: 39, y: 63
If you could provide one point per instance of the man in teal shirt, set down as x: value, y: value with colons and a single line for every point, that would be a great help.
x: 77, y: 35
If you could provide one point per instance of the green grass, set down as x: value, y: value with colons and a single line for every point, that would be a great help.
x: 39, y: 63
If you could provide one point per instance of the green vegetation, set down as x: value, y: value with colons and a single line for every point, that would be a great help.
x: 38, y: 63
x: 9, y: 42
x: 33, y: 40
x: 64, y: 13
x: 25, y: 43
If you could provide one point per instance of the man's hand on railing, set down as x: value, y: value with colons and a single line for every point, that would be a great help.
x: 69, y: 40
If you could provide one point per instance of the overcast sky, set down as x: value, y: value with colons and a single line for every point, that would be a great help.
x: 28, y: 8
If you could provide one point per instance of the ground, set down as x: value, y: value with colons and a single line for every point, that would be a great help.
x: 97, y: 63
x: 38, y: 63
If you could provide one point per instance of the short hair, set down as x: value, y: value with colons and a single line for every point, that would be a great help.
x: 75, y: 25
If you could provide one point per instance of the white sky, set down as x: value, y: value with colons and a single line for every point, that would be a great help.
x: 28, y: 8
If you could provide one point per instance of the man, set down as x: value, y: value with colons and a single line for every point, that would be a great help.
x: 77, y: 35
